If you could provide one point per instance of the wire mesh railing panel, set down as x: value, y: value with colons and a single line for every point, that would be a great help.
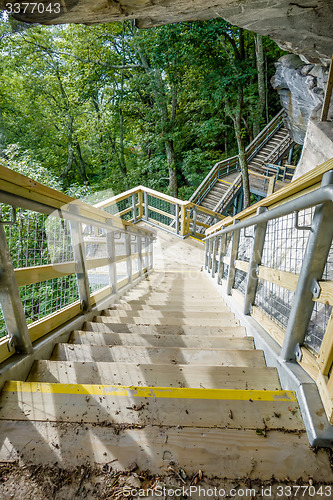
x: 285, y: 246
x: 228, y: 245
x: 3, y: 329
x: 245, y: 244
x: 317, y: 326
x: 275, y: 301
x: 41, y: 299
x: 37, y: 239
x: 121, y: 205
x: 240, y: 281
x: 321, y: 313
x: 162, y: 205
x: 225, y: 271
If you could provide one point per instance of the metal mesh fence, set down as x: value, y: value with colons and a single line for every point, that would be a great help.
x: 245, y: 243
x: 94, y: 239
x: 285, y: 245
x: 284, y: 249
x: 240, y: 281
x: 3, y: 330
x: 275, y: 300
x: 123, y: 205
x: 163, y: 205
x: 37, y: 239
x: 321, y: 313
x: 41, y: 299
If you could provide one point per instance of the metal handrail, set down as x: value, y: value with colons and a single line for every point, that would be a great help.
x: 309, y: 200
x: 267, y: 272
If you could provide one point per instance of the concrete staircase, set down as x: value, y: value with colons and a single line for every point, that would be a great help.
x: 166, y: 375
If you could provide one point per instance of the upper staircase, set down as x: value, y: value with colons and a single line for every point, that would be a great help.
x: 264, y: 155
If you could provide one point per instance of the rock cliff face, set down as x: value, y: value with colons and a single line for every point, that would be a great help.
x: 300, y: 26
x: 301, y: 87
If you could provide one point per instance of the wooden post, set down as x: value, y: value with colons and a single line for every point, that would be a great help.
x: 328, y: 94
x: 182, y: 220
x: 140, y: 197
x: 271, y: 184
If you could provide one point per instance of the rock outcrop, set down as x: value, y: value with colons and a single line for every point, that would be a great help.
x: 301, y: 87
x: 302, y: 27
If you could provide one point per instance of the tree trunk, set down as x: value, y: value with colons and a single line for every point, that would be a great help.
x: 170, y: 152
x: 243, y: 164
x: 2, y: 136
x: 81, y: 163
x: 261, y: 83
x: 159, y: 93
x: 70, y: 149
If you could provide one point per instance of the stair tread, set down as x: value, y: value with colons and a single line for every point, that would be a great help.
x: 156, y: 340
x: 150, y: 405
x: 227, y: 320
x: 212, y: 377
x: 229, y: 331
x: 211, y: 450
x: 160, y: 355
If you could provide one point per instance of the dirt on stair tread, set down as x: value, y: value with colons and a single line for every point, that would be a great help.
x: 199, y: 376
x: 161, y: 355
x: 160, y: 340
x: 215, y: 451
x: 228, y: 331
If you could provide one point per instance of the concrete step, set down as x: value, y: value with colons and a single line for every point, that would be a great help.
x: 176, y: 307
x: 207, y: 377
x: 153, y: 406
x: 159, y: 355
x: 227, y: 319
x: 226, y: 331
x: 166, y: 340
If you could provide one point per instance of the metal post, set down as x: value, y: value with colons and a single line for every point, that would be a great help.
x: 151, y: 260
x: 215, y: 243
x: 233, y: 257
x: 222, y: 252
x: 316, y: 253
x: 207, y: 246
x: 210, y: 247
x: 194, y: 228
x: 10, y: 301
x: 177, y: 218
x: 146, y: 251
x: 134, y: 207
x: 139, y: 245
x: 145, y: 194
x: 128, y: 252
x: 111, y: 249
x: 80, y: 259
x: 252, y: 278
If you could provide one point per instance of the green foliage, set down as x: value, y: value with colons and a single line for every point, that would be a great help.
x: 82, y: 102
